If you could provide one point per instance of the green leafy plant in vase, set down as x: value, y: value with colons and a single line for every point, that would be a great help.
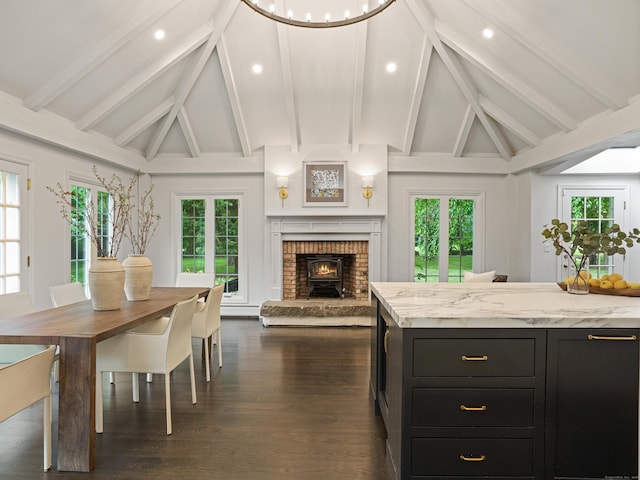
x: 580, y: 243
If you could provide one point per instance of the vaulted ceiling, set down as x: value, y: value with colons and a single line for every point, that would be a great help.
x: 90, y: 76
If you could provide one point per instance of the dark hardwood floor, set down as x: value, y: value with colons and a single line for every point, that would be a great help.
x: 288, y: 404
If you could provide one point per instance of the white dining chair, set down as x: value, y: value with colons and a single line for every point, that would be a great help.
x: 26, y: 382
x: 164, y: 345
x: 206, y: 325
x: 67, y: 294
x: 12, y: 305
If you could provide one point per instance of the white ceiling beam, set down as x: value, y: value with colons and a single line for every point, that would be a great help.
x: 504, y: 77
x: 151, y: 117
x: 51, y: 129
x: 358, y: 86
x: 189, y: 79
x: 532, y: 38
x: 507, y: 121
x: 234, y: 98
x: 463, y: 133
x: 214, y: 165
x: 607, y: 127
x: 189, y: 134
x: 417, y: 94
x: 144, y: 78
x: 447, y: 163
x: 461, y: 78
x: 136, y: 22
x: 287, y: 80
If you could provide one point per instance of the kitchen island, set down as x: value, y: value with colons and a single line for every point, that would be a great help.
x: 506, y: 380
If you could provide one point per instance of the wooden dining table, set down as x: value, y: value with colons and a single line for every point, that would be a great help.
x: 77, y: 329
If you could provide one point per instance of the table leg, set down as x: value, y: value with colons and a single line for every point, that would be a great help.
x: 76, y: 417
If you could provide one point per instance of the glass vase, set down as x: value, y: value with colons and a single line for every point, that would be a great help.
x: 578, y: 280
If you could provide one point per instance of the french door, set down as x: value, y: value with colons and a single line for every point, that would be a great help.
x: 13, y: 228
x: 600, y: 207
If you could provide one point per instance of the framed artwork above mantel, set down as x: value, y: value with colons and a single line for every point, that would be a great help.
x: 325, y: 184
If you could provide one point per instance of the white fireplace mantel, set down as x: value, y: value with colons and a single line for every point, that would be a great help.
x: 322, y: 228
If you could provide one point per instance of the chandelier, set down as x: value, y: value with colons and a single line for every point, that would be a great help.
x: 288, y: 18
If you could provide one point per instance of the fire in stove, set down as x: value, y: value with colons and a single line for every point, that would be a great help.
x: 324, y: 276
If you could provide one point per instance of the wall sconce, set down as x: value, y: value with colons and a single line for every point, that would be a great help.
x: 367, y: 185
x: 282, y: 183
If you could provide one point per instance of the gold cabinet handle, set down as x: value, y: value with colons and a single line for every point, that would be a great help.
x: 464, y: 408
x: 601, y: 337
x: 481, y: 458
x: 483, y: 358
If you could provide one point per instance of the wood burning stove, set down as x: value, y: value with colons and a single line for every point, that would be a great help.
x: 324, y: 276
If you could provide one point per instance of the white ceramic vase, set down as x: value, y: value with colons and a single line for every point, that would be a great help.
x: 138, y: 274
x: 106, y: 283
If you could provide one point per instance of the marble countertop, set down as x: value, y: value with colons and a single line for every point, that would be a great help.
x: 502, y: 305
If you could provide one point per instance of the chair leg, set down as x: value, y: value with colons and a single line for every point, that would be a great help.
x: 207, y: 360
x: 219, y: 348
x: 112, y: 378
x: 149, y: 377
x: 47, y: 432
x: 135, y: 386
x: 167, y: 395
x: 99, y: 420
x: 193, y: 379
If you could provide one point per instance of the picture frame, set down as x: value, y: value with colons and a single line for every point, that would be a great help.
x: 325, y: 184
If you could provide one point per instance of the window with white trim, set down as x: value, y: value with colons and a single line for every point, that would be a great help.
x: 13, y: 196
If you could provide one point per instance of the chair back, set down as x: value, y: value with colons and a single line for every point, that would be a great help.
x: 179, y: 339
x: 27, y: 381
x: 214, y: 300
x: 14, y: 304
x: 185, y: 279
x: 67, y: 294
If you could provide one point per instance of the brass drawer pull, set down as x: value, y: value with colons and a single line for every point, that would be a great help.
x: 600, y: 337
x: 483, y: 358
x: 464, y: 408
x: 481, y: 458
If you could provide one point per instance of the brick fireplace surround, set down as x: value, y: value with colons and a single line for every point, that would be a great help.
x: 355, y: 266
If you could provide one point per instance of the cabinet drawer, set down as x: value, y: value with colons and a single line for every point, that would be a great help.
x: 472, y: 407
x: 481, y: 357
x: 473, y: 457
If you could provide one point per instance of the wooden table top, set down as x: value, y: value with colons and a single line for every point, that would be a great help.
x: 79, y: 320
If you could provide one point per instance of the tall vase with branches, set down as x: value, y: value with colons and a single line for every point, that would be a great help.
x: 138, y: 267
x: 87, y: 216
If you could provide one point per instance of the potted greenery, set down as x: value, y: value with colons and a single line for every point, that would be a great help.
x: 106, y: 275
x: 579, y: 243
x: 138, y: 267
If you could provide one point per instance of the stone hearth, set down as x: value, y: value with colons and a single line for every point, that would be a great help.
x: 317, y: 312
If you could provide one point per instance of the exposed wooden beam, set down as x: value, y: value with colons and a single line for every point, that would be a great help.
x: 144, y: 78
x: 447, y: 163
x: 189, y: 79
x: 189, y: 134
x: 358, y: 86
x: 507, y: 121
x: 287, y: 79
x: 461, y: 78
x: 136, y: 22
x: 417, y: 94
x: 612, y: 125
x: 133, y: 130
x: 504, y: 77
x: 234, y: 98
x: 217, y: 164
x: 51, y: 129
x: 507, y: 19
x: 463, y: 133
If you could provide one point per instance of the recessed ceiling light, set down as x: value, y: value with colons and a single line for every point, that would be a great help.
x: 159, y: 34
x: 256, y: 68
x: 391, y: 67
x: 487, y: 33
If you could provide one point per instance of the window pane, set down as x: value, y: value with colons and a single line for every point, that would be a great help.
x: 427, y: 240
x: 12, y: 190
x: 226, y: 242
x: 12, y: 223
x: 13, y: 257
x: 193, y: 235
x: 460, y: 238
x: 598, y: 212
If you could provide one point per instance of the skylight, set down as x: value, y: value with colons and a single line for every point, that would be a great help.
x: 613, y: 160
